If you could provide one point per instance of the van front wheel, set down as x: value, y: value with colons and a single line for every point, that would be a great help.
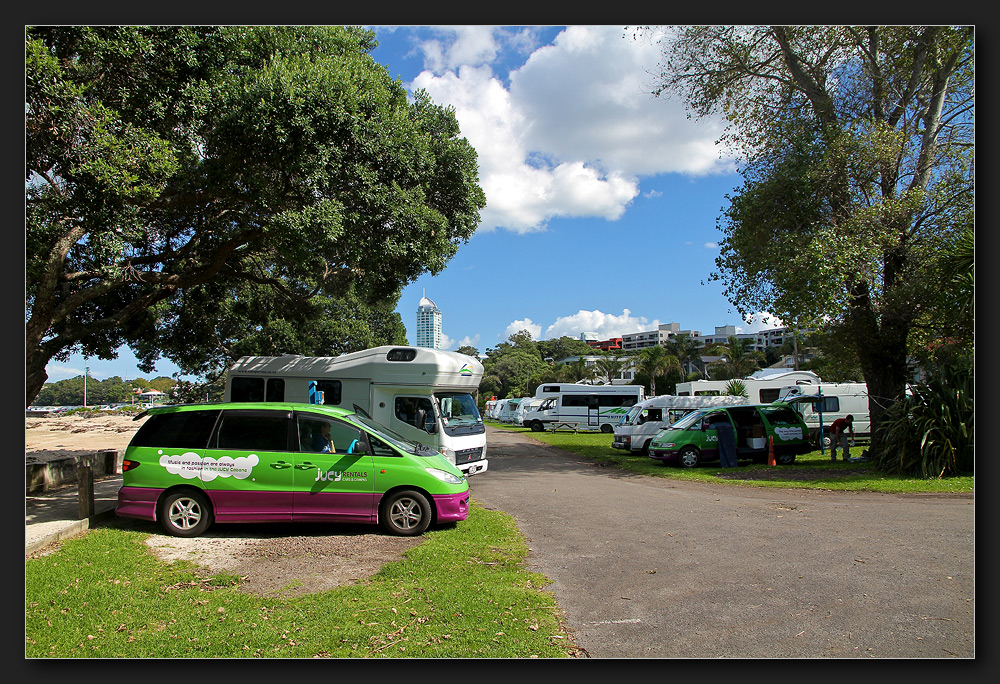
x: 185, y: 513
x: 536, y: 426
x: 406, y: 513
x: 688, y: 457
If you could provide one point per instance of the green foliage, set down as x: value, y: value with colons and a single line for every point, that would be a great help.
x: 113, y: 390
x: 931, y: 433
x: 464, y: 591
x: 189, y: 190
x: 739, y: 360
x: 736, y: 388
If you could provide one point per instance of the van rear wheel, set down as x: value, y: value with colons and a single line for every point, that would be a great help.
x: 185, y: 513
x: 607, y: 427
x: 405, y: 513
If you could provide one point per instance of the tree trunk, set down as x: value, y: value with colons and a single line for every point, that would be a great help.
x: 35, y: 375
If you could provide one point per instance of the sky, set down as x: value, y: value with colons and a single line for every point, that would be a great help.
x: 602, y: 200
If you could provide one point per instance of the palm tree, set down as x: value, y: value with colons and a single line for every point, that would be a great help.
x: 686, y: 349
x: 654, y: 361
x: 574, y: 371
x: 739, y: 360
x: 610, y: 366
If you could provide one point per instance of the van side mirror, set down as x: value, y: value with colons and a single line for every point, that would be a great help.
x: 431, y: 428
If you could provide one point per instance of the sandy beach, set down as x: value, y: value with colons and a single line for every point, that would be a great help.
x: 54, y: 436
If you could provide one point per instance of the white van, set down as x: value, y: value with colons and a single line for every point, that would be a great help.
x: 423, y: 394
x: 527, y: 404
x: 827, y: 402
x: 582, y: 407
x: 646, y: 418
x: 762, y: 387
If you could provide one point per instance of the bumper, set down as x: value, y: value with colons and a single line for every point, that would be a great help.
x: 452, y: 507
x: 470, y: 469
x: 137, y: 502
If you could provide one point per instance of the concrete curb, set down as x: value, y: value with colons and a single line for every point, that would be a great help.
x: 65, y: 531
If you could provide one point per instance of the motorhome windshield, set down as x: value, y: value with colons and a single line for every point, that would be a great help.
x: 632, y: 416
x: 459, y: 414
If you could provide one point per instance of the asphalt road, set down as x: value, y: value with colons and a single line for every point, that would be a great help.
x: 653, y: 568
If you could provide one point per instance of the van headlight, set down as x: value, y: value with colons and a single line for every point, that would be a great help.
x: 444, y: 476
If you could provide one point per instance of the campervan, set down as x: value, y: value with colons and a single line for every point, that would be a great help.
x: 820, y: 405
x: 762, y: 388
x: 508, y: 410
x: 581, y: 407
x: 640, y: 425
x: 526, y: 404
x: 423, y: 394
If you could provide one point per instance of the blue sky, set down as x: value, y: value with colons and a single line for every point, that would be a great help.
x: 602, y: 201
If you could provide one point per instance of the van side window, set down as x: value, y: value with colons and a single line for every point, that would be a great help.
x: 275, y: 389
x: 247, y: 389
x: 380, y: 448
x: 183, y: 430
x: 330, y: 390
x: 828, y: 405
x: 254, y: 431
x: 323, y: 435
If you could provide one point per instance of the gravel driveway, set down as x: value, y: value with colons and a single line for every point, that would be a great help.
x: 648, y: 568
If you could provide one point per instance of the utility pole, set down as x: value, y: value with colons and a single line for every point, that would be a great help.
x: 86, y: 371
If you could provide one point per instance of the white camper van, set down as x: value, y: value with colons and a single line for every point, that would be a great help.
x: 646, y: 418
x: 582, y: 407
x: 509, y: 409
x: 827, y: 402
x: 762, y: 388
x: 423, y: 394
x: 527, y: 404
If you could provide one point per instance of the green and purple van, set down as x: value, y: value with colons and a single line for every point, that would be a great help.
x: 693, y: 439
x: 190, y: 466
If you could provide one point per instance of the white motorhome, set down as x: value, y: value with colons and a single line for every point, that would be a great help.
x: 423, y: 394
x: 826, y: 402
x: 527, y: 404
x: 581, y: 407
x: 647, y: 418
x: 506, y: 413
x: 762, y: 388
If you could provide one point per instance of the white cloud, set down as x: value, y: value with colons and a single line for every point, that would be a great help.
x: 576, y: 128
x: 761, y: 320
x: 525, y: 324
x: 605, y: 325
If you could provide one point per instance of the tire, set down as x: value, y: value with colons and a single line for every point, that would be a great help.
x: 185, y: 513
x: 406, y: 513
x: 607, y: 427
x: 784, y: 459
x: 536, y: 426
x: 823, y: 440
x: 645, y: 447
x: 688, y: 457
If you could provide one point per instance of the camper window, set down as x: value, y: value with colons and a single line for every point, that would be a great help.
x: 247, y: 389
x: 275, y: 389
x: 769, y: 394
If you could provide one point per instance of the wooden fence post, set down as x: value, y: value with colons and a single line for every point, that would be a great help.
x: 85, y: 483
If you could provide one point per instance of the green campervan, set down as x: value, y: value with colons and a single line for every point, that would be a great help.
x: 693, y: 439
x: 189, y: 466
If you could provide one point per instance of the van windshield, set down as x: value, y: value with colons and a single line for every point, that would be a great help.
x: 632, y: 416
x: 687, y: 421
x: 459, y: 414
x: 393, y: 438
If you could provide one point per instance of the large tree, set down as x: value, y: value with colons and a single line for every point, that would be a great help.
x: 178, y: 179
x: 857, y: 148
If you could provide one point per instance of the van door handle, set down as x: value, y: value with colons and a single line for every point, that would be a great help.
x: 280, y: 465
x: 304, y: 466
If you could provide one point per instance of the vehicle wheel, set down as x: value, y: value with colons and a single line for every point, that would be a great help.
x: 406, y: 513
x: 689, y: 457
x: 826, y: 441
x: 185, y: 513
x: 536, y: 426
x: 784, y: 459
x: 606, y: 428
x: 645, y: 447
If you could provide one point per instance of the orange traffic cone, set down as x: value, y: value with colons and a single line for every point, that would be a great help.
x: 770, y: 451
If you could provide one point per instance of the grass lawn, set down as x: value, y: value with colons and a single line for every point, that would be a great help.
x: 814, y: 470
x: 462, y: 593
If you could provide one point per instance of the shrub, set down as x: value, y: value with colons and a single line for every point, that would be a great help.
x: 931, y: 432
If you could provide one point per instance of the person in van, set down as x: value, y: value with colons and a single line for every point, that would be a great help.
x: 838, y: 434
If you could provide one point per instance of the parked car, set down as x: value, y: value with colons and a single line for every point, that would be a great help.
x: 693, y: 440
x: 190, y: 466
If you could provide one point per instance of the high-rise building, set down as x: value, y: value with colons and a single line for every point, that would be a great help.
x: 428, y: 324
